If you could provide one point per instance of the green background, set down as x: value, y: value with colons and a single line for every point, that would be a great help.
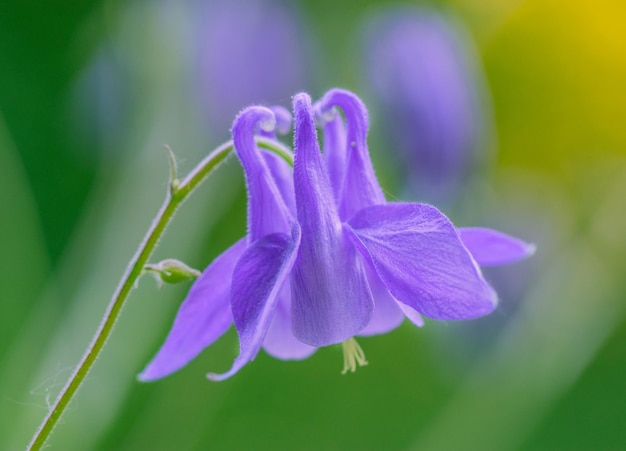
x: 548, y: 372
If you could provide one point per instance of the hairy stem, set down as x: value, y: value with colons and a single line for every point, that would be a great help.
x: 178, y: 192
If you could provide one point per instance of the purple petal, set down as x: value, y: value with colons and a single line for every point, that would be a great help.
x: 267, y: 212
x: 280, y: 341
x: 283, y: 119
x: 283, y: 122
x: 411, y: 314
x: 492, y: 248
x: 282, y: 174
x: 421, y: 260
x: 257, y: 280
x: 335, y: 151
x: 331, y: 300
x: 387, y: 313
x: 360, y: 186
x: 202, y: 318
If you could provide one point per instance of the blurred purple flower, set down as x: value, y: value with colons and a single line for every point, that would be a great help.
x: 238, y: 40
x: 340, y: 262
x: 425, y: 77
x: 102, y: 100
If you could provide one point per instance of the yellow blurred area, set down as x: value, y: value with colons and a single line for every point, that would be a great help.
x: 557, y: 72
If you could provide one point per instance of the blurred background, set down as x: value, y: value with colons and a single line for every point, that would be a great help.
x: 508, y: 114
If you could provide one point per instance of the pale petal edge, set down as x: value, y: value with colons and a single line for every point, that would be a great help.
x: 493, y: 248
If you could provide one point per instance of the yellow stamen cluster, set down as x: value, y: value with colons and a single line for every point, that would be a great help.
x: 353, y: 355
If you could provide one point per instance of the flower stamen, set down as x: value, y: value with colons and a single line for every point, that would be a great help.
x: 353, y: 355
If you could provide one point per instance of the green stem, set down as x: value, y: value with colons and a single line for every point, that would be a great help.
x: 178, y: 192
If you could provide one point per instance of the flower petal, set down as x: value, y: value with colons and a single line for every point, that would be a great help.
x: 419, y: 257
x: 331, y: 300
x: 280, y: 341
x: 411, y: 314
x: 492, y: 248
x: 267, y: 212
x: 360, y: 186
x: 283, y: 177
x: 387, y: 313
x: 335, y: 149
x: 202, y: 318
x: 283, y: 122
x: 257, y: 280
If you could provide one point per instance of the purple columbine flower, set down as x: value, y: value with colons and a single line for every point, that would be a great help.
x: 426, y: 78
x: 326, y: 257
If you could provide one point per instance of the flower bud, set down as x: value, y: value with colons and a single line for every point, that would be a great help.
x: 171, y: 271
